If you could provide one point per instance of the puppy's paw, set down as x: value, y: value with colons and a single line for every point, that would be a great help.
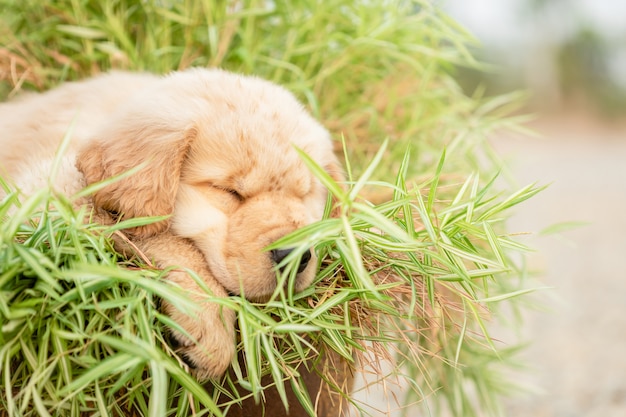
x: 206, y: 337
x: 210, y: 347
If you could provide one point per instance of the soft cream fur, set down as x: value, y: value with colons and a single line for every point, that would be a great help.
x: 218, y: 155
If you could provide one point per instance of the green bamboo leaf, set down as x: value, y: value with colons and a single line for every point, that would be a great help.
x: 562, y: 227
x: 425, y: 217
x: 275, y: 369
x: 494, y: 243
x: 513, y: 200
x: 472, y: 257
x: 457, y: 206
x: 158, y: 394
x: 81, y: 31
x: 39, y: 264
x: 251, y: 355
x: 300, y: 390
x: 368, y: 172
x: 508, y: 296
x: 322, y: 175
x: 135, y: 222
x: 295, y: 328
x: 435, y: 182
x: 113, y: 364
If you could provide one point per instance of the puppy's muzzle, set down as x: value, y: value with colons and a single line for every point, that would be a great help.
x: 278, y: 255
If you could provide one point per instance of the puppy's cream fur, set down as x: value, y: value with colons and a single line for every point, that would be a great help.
x: 216, y: 151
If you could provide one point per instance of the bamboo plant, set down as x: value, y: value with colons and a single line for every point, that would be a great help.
x: 413, y: 268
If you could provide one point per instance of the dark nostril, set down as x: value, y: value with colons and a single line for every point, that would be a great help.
x: 278, y: 255
x: 304, y: 261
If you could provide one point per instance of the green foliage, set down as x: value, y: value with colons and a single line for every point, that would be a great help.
x: 414, y: 276
x: 78, y: 330
x: 368, y: 70
x: 415, y: 263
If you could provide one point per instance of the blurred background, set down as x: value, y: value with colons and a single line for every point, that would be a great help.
x: 571, y: 56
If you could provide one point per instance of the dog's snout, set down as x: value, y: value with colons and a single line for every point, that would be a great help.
x: 278, y: 255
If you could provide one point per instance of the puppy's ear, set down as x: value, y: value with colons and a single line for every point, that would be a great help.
x: 151, y: 191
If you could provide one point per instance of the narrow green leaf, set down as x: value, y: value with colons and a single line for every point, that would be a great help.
x: 113, y: 364
x: 368, y: 172
x: 435, y: 182
x: 507, y: 296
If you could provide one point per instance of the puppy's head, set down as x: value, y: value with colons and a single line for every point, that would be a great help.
x: 219, y: 156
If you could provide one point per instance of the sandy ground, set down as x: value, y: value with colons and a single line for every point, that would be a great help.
x: 576, y: 363
x: 578, y: 351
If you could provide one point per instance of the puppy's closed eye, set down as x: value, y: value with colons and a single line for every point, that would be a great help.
x: 227, y: 190
x: 233, y: 193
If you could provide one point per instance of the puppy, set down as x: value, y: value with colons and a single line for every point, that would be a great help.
x: 213, y: 150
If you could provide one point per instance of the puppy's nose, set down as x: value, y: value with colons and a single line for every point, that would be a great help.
x: 279, y: 254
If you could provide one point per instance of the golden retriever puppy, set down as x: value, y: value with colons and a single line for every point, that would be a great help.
x: 215, y: 151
